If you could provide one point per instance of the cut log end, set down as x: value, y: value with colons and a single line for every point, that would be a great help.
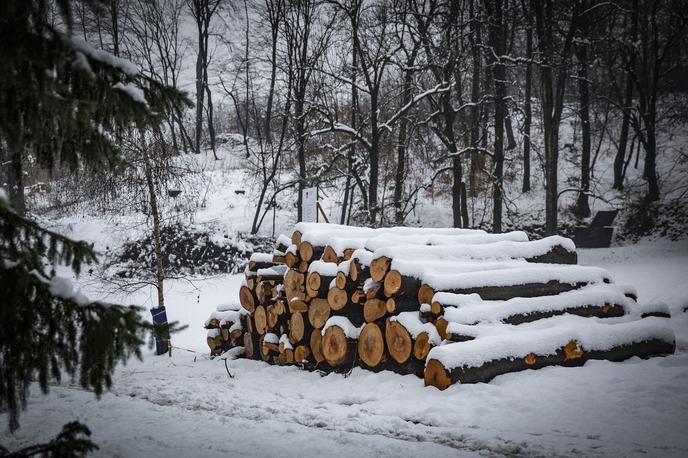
x: 399, y: 341
x: 392, y: 282
x: 340, y: 280
x: 318, y: 312
x: 436, y: 375
x: 329, y: 255
x: 296, y: 237
x: 261, y: 320
x: 422, y: 346
x: 425, y: 293
x: 301, y: 354
x: 337, y: 298
x: 306, y: 251
x: 379, y: 268
x: 247, y: 299
x: 316, y: 346
x: 335, y: 346
x: 371, y: 344
x: 374, y: 309
x: 297, y: 328
x: 313, y: 281
x: 249, y: 351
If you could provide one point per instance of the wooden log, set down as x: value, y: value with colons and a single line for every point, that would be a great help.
x: 371, y: 344
x: 374, y: 309
x: 396, y: 284
x: 279, y: 258
x: 309, y: 252
x: 251, y: 345
x: 396, y: 305
x: 375, y: 290
x: 268, y: 349
x: 605, y: 311
x: 315, y: 344
x: 330, y: 255
x: 557, y: 255
x: 379, y: 267
x: 260, y: 320
x: 357, y: 272
x: 297, y: 305
x: 263, y: 291
x: 294, y: 285
x: 338, y: 299
x: 247, y: 298
x: 277, y: 319
x: 296, y: 238
x: 255, y: 265
x: 318, y: 312
x: 438, y: 376
x: 291, y: 258
x: 299, y: 328
x: 425, y: 294
x: 303, y: 267
x: 337, y: 348
x: 502, y: 293
x: 318, y: 285
x: 302, y: 353
x: 341, y: 280
x: 422, y: 346
x: 399, y: 342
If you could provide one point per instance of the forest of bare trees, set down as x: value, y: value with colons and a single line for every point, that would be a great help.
x: 385, y: 102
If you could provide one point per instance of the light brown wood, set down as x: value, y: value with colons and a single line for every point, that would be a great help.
x: 316, y: 345
x: 399, y: 343
x: 337, y: 298
x: 247, y: 299
x: 340, y: 280
x: 347, y: 253
x: 272, y: 316
x: 261, y: 320
x: 313, y: 281
x: 371, y: 344
x: 294, y: 285
x: 329, y: 255
x: 425, y: 293
x: 436, y: 375
x: 436, y: 308
x: 374, y: 309
x: 249, y: 350
x: 336, y: 347
x: 306, y: 251
x: 298, y: 306
x: 441, y: 325
x: 291, y: 259
x: 374, y: 291
x: 211, y: 343
x: 318, y: 312
x: 296, y: 238
x: 422, y: 346
x: 379, y: 268
x: 301, y: 353
x: 392, y: 283
x: 298, y: 328
x: 530, y: 359
x: 572, y: 350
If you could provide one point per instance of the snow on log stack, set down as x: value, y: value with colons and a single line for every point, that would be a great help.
x: 449, y: 305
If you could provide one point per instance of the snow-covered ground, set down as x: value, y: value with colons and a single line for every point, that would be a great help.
x: 188, y: 406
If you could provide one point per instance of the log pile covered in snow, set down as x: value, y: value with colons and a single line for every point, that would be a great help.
x: 449, y: 305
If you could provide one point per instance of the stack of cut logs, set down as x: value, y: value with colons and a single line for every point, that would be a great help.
x: 450, y: 305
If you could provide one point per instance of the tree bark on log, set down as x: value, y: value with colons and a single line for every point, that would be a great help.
x: 440, y: 377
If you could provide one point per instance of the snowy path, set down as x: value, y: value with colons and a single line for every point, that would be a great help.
x: 181, y: 407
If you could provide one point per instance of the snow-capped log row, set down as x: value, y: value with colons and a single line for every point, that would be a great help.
x: 569, y: 342
x: 409, y: 299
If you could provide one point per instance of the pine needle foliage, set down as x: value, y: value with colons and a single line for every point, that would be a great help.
x: 62, y: 102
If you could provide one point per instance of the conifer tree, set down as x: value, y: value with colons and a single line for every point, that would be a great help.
x: 61, y: 102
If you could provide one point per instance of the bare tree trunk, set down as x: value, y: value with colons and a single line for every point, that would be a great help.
x: 476, y: 157
x: 12, y: 164
x: 346, y: 212
x: 401, y: 141
x: 527, y: 109
x: 582, y: 205
x: 497, y: 43
x: 159, y: 270
x: 211, y: 122
x: 200, y: 66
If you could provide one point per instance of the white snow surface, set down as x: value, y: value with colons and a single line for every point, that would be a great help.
x: 420, y: 267
x: 320, y: 234
x: 351, y: 331
x: 188, y: 406
x: 531, y: 273
x: 414, y: 326
x: 263, y: 257
x: 382, y: 241
x: 471, y: 309
x: 553, y: 334
x: 328, y: 269
x: 505, y: 249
